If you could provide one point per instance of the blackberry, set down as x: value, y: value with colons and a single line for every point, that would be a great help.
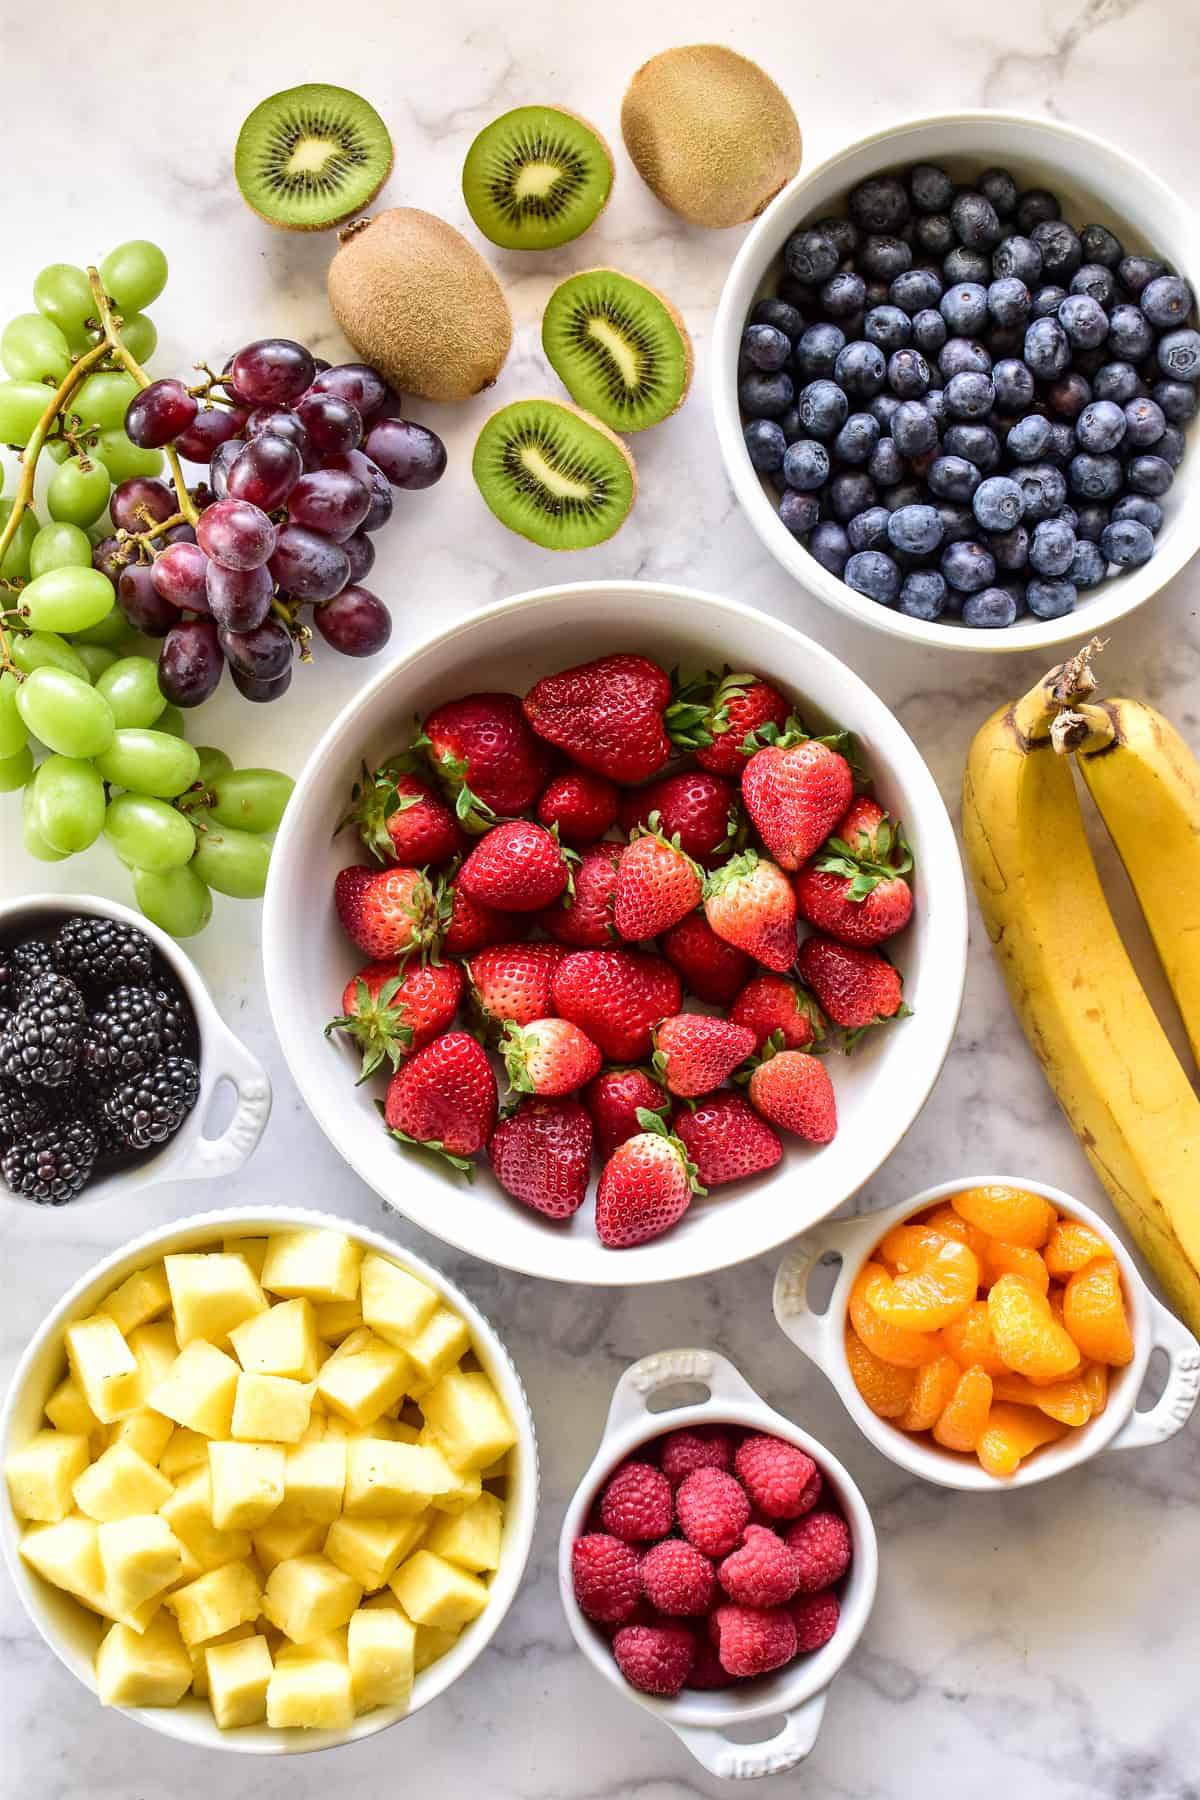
x: 52, y: 1165
x: 177, y: 1025
x: 150, y: 1108
x: 125, y: 1037
x: 41, y: 1042
x: 26, y: 963
x: 101, y: 953
x: 22, y: 1111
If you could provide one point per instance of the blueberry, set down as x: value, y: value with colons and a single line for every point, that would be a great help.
x: 857, y: 438
x: 934, y: 403
x: 1130, y: 334
x: 1100, y: 246
x: 914, y: 289
x: 930, y: 330
x: 1179, y: 355
x: 824, y: 408
x: 1137, y: 272
x: 1047, y: 349
x: 879, y: 203
x: 817, y: 350
x: 811, y: 257
x: 1009, y: 301
x: 968, y: 566
x: 965, y: 308
x: 953, y: 478
x: 785, y: 318
x: 1128, y: 543
x: 1167, y: 301
x: 975, y: 219
x: 1115, y: 381
x: 1062, y: 253
x: 1061, y: 446
x: 1028, y: 438
x: 1095, y: 477
x: 1097, y: 282
x: 850, y: 492
x: 844, y: 233
x: 908, y: 374
x: 978, y: 443
x: 789, y: 424
x: 874, y: 574
x: 913, y: 431
x: 1009, y: 548
x: 1047, y: 300
x: 1052, y: 547
x: 1013, y: 384
x: 1102, y: 425
x: 883, y: 258
x: 844, y: 295
x: 1044, y: 491
x: 916, y: 530
x: 1034, y: 207
x: 861, y: 369
x: 1147, y: 512
x: 1178, y: 400
x: 1084, y: 320
x: 869, y: 530
x: 1050, y: 599
x: 799, y: 512
x: 888, y: 327
x: 935, y: 234
x: 765, y: 444
x: 1017, y: 259
x: 1089, y: 565
x: 992, y: 610
x: 970, y: 395
x: 883, y: 408
x: 1149, y: 475
x: 998, y: 503
x: 1068, y: 396
x: 1089, y: 362
x: 886, y: 466
x: 998, y: 187
x: 923, y: 595
x: 905, y: 493
x: 1171, y: 446
x: 765, y: 396
x: 829, y: 546
x: 1091, y: 520
x: 960, y: 355
x: 963, y: 264
x: 765, y: 347
x: 931, y: 188
x: 806, y: 465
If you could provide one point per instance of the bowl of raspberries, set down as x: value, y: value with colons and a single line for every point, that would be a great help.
x: 592, y: 886
x: 956, y: 377
x: 110, y: 1050
x: 716, y: 1564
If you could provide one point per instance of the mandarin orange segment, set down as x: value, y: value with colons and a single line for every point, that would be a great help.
x: 938, y: 1279
x: 1067, y: 1401
x: 947, y: 1221
x: 1071, y: 1246
x: 1028, y: 1337
x: 890, y: 1343
x: 965, y: 1414
x: 1094, y: 1313
x: 932, y: 1389
x: 1013, y: 1214
x: 886, y: 1388
x: 969, y: 1339
x: 1095, y: 1386
x: 1014, y: 1259
x: 1012, y: 1433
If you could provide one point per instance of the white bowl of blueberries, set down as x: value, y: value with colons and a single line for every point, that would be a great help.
x: 956, y: 376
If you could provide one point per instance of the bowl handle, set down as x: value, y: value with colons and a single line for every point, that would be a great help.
x: 1177, y: 1402
x: 233, y: 1062
x: 819, y: 1334
x: 674, y: 1368
x: 741, y: 1762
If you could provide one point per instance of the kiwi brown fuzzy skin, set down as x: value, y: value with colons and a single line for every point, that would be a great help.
x: 676, y: 319
x: 711, y: 135
x: 568, y: 113
x: 420, y: 304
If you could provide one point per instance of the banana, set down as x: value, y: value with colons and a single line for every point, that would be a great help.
x: 1074, y: 989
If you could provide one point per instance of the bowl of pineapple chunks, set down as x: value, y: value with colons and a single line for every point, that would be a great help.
x: 271, y: 1481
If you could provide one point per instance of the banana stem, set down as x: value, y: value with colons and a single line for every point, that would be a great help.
x: 1065, y: 685
x: 1084, y: 730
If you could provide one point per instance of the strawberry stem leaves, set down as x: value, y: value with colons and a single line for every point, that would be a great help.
x: 377, y: 1026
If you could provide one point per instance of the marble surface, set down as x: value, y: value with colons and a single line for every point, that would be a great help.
x: 1046, y: 1641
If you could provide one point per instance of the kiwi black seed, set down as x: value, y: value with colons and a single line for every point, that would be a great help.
x: 619, y: 348
x: 312, y: 157
x: 554, y: 474
x: 536, y: 177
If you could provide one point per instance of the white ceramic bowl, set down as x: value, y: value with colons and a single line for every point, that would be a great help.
x: 189, y: 1155
x: 1097, y: 183
x: 73, y: 1633
x: 881, y: 1089
x: 1119, y: 1427
x: 703, y: 1721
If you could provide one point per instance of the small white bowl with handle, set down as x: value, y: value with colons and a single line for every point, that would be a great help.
x: 702, y: 1720
x: 1119, y: 1427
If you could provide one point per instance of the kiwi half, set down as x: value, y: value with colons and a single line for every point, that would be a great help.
x: 311, y: 157
x: 537, y: 177
x: 554, y: 474
x: 619, y: 348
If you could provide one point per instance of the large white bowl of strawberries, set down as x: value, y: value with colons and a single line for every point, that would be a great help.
x: 583, y: 899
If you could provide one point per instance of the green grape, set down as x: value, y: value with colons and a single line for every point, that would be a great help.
x: 233, y: 862
x: 175, y: 900
x: 134, y: 274
x: 66, y: 713
x: 68, y: 599
x: 252, y: 799
x: 95, y: 659
x: 15, y: 770
x: 139, y: 337
x: 101, y: 399
x: 32, y: 650
x: 149, y: 762
x: 34, y: 349
x: 124, y: 460
x: 68, y: 803
x: 131, y: 688
x: 148, y: 834
x: 113, y: 631
x: 31, y: 833
x: 15, y: 566
x: 12, y: 726
x: 213, y: 762
x: 62, y: 293
x: 22, y: 404
x: 57, y: 449
x: 78, y: 491
x: 59, y: 546
x: 171, y: 720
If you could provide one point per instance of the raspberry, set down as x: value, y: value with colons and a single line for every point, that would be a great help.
x: 774, y: 1474
x: 605, y: 1573
x: 822, y: 1543
x: 637, y: 1504
x: 706, y: 1672
x: 704, y: 1447
x: 655, y: 1658
x: 764, y: 1572
x: 751, y: 1639
x: 677, y: 1579
x: 815, y: 1617
x: 713, y: 1510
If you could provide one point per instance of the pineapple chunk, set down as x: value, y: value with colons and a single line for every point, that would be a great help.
x: 140, y: 1557
x: 146, y: 1432
x: 438, y: 1345
x: 363, y: 1377
x: 331, y: 1646
x: 211, y: 1293
x: 468, y: 1420
x: 199, y: 1391
x: 383, y: 1478
x: 433, y: 1591
x: 280, y: 1341
x: 396, y: 1305
x: 468, y: 1484
x: 185, y: 1450
x: 254, y: 1249
x: 189, y: 1514
x: 120, y: 1484
x: 41, y: 1477
x: 155, y: 1352
x: 308, y: 1595
x: 271, y: 1408
x: 198, y: 1652
x: 433, y: 1641
x: 336, y: 1319
x: 472, y: 1539
x: 279, y: 1541
x: 371, y: 1550
x: 104, y: 1367
x: 314, y: 1482
x: 153, y: 1669
x: 139, y: 1299
x: 316, y: 1265
x: 393, y: 1429
x: 238, y: 1676
x: 68, y: 1556
x: 69, y: 1411
x: 247, y: 1484
x: 215, y: 1603
x: 310, y: 1693
x: 381, y: 1643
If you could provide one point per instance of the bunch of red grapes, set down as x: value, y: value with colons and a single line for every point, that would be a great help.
x: 302, y: 458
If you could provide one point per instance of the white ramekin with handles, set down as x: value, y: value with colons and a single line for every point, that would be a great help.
x: 73, y: 1633
x: 702, y: 1720
x: 189, y: 1155
x: 1119, y: 1427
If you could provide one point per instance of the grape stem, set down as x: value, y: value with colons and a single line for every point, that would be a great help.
x: 112, y: 333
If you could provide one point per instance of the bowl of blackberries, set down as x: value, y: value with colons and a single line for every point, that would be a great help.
x: 956, y: 381
x: 110, y: 1053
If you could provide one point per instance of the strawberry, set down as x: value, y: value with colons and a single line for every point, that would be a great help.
x: 398, y: 915
x: 390, y: 1011
x: 711, y: 968
x: 657, y: 885
x: 616, y: 996
x: 581, y: 804
x: 735, y: 706
x: 587, y: 923
x: 348, y: 889
x: 770, y: 1004
x: 610, y: 715
x: 472, y: 926
x: 694, y: 1054
x: 541, y: 1154
x: 796, y: 792
x: 615, y: 1099
x: 645, y: 1188
x: 859, y: 827
x: 486, y: 757
x: 550, y: 1056
x: 749, y: 902
x: 444, y: 1099
x: 402, y: 820
x: 858, y: 895
x: 856, y: 988
x: 513, y: 981
x: 726, y: 1139
x: 794, y: 1091
x: 516, y: 867
x: 701, y: 810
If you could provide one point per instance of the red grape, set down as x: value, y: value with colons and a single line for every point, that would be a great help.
x: 142, y: 603
x: 329, y: 501
x: 361, y: 552
x: 190, y: 662
x: 360, y: 384
x: 271, y: 372
x: 177, y: 534
x: 158, y: 414
x: 141, y: 502
x: 333, y: 425
x: 251, y: 688
x: 239, y: 599
x: 266, y: 471
x: 355, y: 622
x: 264, y: 652
x: 410, y: 455
x: 307, y: 566
x: 373, y: 479
x: 110, y: 556
x: 279, y: 421
x: 179, y: 576
x: 236, y: 533
x: 210, y: 428
x: 223, y: 459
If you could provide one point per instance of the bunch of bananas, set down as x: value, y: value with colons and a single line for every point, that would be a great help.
x: 1069, y: 976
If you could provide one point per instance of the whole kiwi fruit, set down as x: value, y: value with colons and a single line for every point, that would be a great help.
x: 419, y: 303
x: 710, y: 133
